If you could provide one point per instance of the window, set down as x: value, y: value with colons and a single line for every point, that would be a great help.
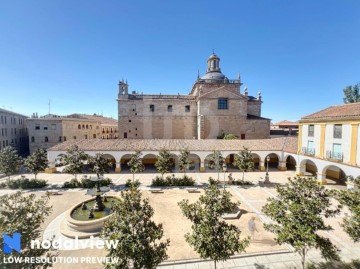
x: 125, y: 135
x: 311, y: 130
x: 129, y: 120
x: 94, y: 135
x: 74, y: 137
x: 32, y: 139
x: 242, y: 136
x: 187, y: 108
x: 87, y: 126
x: 310, y: 145
x: 60, y: 138
x: 53, y: 126
x: 37, y: 127
x: 133, y: 107
x: 152, y: 108
x: 46, y: 139
x: 169, y: 108
x: 83, y: 126
x: 2, y: 119
x: 45, y: 126
x: 222, y: 103
x: 85, y: 136
x: 336, y: 148
x: 337, y: 131
x: 79, y: 126
x: 64, y: 138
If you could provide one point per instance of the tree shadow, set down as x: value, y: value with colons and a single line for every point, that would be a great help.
x: 354, y: 264
x: 260, y: 266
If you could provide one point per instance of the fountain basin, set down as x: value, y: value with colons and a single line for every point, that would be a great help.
x: 83, y: 227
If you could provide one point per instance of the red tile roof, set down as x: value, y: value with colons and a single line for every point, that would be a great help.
x: 288, y: 143
x: 337, y: 112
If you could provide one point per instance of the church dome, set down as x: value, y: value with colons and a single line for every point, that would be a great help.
x: 213, y: 75
x: 213, y: 70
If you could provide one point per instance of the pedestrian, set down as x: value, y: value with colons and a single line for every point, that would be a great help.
x: 252, y: 227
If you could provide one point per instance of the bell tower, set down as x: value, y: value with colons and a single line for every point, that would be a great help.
x: 123, y: 87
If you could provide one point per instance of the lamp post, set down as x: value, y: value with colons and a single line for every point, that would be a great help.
x: 267, y: 180
x: 224, y: 170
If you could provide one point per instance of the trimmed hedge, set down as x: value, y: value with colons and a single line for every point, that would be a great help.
x: 173, y: 181
x: 129, y: 183
x: 85, y: 183
x: 242, y: 182
x: 24, y: 183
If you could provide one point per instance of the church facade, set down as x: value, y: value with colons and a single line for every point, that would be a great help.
x: 214, y: 107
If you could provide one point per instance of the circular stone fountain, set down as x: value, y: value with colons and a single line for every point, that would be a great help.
x: 88, y: 217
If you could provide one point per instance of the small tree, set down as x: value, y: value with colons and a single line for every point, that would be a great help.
x: 216, y: 161
x: 212, y: 237
x: 298, y: 212
x: 139, y: 244
x: 37, y: 161
x: 184, y: 160
x: 99, y: 164
x: 74, y: 158
x: 352, y: 94
x: 351, y: 199
x: 164, y: 163
x: 24, y: 214
x: 9, y: 161
x: 230, y: 137
x: 136, y: 165
x: 244, y: 161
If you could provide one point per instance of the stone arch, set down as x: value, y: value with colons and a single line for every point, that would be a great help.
x: 229, y: 160
x: 112, y: 160
x: 308, y: 167
x: 290, y: 163
x: 256, y: 159
x: 195, y: 162
x: 334, y: 175
x: 149, y: 160
x: 124, y: 160
x: 274, y: 160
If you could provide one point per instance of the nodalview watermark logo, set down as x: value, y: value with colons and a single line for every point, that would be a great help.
x: 12, y: 243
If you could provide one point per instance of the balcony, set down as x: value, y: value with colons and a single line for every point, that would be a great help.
x: 334, y: 156
x: 308, y: 151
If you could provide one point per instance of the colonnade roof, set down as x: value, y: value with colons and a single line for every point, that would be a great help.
x: 288, y: 144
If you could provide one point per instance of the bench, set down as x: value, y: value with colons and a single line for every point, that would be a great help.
x: 192, y: 189
x: 54, y: 192
x: 234, y: 215
x: 156, y: 190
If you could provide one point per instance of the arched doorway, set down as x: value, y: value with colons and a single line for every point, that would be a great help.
x: 149, y: 161
x: 229, y: 160
x: 194, y: 162
x: 123, y: 161
x: 290, y: 163
x: 309, y: 168
x: 112, y: 162
x: 334, y: 175
x: 256, y: 159
x: 273, y: 161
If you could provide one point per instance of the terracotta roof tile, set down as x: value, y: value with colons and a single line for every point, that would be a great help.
x: 338, y: 112
x: 178, y: 144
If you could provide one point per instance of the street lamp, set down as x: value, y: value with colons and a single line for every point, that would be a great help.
x: 224, y: 170
x: 267, y: 180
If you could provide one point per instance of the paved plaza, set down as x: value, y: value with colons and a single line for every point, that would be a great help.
x: 262, y: 253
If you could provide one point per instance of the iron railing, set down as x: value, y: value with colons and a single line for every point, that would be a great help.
x: 336, y: 156
x: 308, y: 151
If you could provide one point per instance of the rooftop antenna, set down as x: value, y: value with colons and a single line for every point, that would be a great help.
x: 49, y: 106
x: 213, y: 51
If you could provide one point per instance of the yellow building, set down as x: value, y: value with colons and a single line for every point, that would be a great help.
x: 330, y: 137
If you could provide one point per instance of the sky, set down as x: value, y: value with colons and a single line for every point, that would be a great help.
x: 300, y: 54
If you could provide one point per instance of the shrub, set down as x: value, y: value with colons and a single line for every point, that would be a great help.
x: 129, y: 183
x: 73, y: 183
x: 241, y: 182
x: 173, y: 181
x: 25, y: 183
x: 86, y: 183
x: 213, y: 181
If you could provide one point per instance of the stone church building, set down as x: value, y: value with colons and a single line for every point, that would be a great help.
x: 214, y: 106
